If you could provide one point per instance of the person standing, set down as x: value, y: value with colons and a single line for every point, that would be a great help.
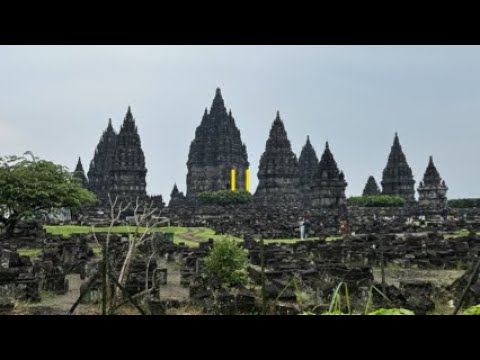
x: 302, y: 228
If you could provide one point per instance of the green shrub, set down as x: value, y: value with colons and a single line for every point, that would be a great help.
x: 463, y: 203
x: 398, y: 311
x: 376, y: 201
x: 226, y: 197
x: 226, y: 263
x: 474, y: 310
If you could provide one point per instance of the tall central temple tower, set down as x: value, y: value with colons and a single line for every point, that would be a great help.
x: 215, y: 151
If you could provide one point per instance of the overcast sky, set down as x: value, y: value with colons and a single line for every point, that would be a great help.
x: 56, y: 101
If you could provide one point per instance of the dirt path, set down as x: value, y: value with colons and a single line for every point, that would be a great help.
x: 52, y: 304
x: 437, y: 277
x: 173, y: 290
x: 190, y: 235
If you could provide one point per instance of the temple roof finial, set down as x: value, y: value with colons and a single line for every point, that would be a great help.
x: 110, y: 126
x: 218, y: 105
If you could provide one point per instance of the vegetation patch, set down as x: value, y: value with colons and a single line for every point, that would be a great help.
x: 226, y: 264
x: 474, y: 310
x: 396, y: 311
x: 463, y: 203
x: 31, y: 253
x: 376, y: 201
x: 67, y: 230
x: 225, y: 197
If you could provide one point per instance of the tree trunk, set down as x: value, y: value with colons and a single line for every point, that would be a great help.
x: 11, y: 223
x: 122, y: 278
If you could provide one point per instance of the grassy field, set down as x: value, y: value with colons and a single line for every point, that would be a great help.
x: 457, y: 234
x: 190, y: 236
x: 67, y: 230
x: 32, y: 253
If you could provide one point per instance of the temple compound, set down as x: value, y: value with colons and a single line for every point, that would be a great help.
x: 289, y: 187
x: 216, y: 149
x: 397, y: 175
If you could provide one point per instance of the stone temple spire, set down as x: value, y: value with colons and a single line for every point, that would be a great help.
x: 397, y: 175
x: 216, y: 149
x: 371, y: 188
x: 175, y: 197
x: 329, y: 183
x: 128, y: 169
x: 99, y: 171
x: 218, y: 105
x: 278, y: 172
x: 79, y: 173
x: 432, y: 190
x: 308, y: 163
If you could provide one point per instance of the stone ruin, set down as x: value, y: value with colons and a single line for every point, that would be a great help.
x: 22, y: 278
x: 145, y: 270
x: 18, y: 279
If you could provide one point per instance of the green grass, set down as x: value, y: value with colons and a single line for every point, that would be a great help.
x: 281, y: 241
x: 189, y: 243
x: 67, y: 230
x: 32, y: 253
x: 457, y: 234
x: 207, y: 233
x: 194, y: 235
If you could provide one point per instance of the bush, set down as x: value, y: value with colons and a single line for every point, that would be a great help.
x: 463, y: 203
x: 376, y: 201
x: 474, y: 310
x: 226, y: 197
x: 398, y: 311
x: 226, y: 263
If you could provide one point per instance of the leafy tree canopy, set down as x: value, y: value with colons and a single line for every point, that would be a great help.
x: 226, y: 197
x: 376, y: 201
x: 27, y: 186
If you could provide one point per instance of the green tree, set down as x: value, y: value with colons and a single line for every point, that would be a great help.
x: 226, y: 263
x: 226, y: 197
x: 28, y: 186
x: 376, y: 201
